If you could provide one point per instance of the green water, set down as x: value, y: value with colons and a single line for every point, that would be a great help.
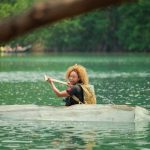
x: 118, y: 79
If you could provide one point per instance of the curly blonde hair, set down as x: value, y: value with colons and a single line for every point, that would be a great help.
x: 81, y: 71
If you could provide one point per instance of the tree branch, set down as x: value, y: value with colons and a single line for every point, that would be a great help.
x: 48, y: 12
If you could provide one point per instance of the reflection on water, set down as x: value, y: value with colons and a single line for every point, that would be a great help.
x: 72, y: 135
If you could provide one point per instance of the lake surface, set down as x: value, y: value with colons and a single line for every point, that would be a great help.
x: 118, y: 79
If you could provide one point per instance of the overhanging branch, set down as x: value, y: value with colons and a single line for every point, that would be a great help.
x: 48, y: 12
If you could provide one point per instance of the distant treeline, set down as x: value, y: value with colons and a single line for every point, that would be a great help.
x: 124, y: 28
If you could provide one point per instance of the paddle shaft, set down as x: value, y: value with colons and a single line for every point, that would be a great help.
x: 58, y: 81
x: 55, y: 80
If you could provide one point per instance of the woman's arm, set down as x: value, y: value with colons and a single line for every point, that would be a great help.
x: 56, y: 91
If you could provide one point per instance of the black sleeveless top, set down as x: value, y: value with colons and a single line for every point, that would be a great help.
x: 74, y: 90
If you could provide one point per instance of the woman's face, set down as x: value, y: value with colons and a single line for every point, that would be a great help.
x: 73, y: 78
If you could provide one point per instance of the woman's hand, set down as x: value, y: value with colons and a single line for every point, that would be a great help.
x: 49, y: 80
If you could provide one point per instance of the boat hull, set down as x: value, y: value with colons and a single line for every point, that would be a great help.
x: 100, y: 113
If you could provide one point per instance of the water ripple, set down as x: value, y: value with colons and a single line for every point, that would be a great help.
x: 21, y: 76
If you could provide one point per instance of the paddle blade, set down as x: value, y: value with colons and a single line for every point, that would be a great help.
x: 45, y: 77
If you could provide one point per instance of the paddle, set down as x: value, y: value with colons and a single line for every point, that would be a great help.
x: 55, y: 80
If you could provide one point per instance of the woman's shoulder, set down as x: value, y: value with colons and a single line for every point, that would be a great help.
x: 76, y: 87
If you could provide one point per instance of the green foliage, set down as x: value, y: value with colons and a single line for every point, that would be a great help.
x: 134, y: 27
x: 122, y: 28
x: 13, y: 7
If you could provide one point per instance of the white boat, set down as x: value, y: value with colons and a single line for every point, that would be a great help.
x: 20, y: 49
x: 98, y: 112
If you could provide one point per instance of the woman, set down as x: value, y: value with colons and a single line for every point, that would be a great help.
x: 78, y: 91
